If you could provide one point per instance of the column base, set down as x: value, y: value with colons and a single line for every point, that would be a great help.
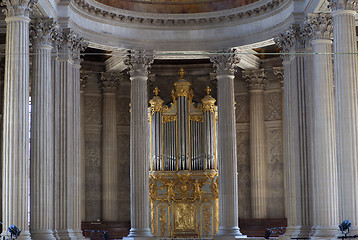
x: 139, y: 233
x: 325, y: 232
x: 229, y: 233
x: 24, y: 235
x: 42, y: 234
x: 67, y: 234
x: 296, y: 232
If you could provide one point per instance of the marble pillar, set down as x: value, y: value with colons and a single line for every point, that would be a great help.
x: 15, y: 153
x: 324, y: 179
x: 109, y: 82
x: 296, y: 138
x: 226, y: 146
x: 346, y: 99
x: 139, y: 62
x: 67, y: 139
x: 41, y: 153
x: 257, y: 82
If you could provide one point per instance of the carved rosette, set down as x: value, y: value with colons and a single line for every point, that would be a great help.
x: 343, y: 5
x: 138, y: 62
x: 18, y: 7
x: 43, y: 31
x: 255, y: 78
x: 279, y: 72
x: 318, y: 26
x: 109, y: 82
x: 225, y: 62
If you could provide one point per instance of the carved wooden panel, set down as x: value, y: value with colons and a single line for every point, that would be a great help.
x: 243, y: 168
x: 93, y: 176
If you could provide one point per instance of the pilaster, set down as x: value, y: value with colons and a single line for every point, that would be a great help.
x: 227, y: 155
x: 257, y: 82
x: 15, y: 153
x: 42, y: 138
x: 109, y: 82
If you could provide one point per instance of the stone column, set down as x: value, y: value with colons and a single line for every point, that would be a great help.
x: 41, y: 154
x: 227, y: 155
x: 67, y: 133
x: 346, y: 99
x: 296, y: 157
x: 83, y: 84
x: 257, y: 83
x: 324, y: 179
x: 15, y: 155
x: 109, y: 83
x: 139, y: 63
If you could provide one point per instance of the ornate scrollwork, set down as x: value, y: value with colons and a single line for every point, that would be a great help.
x: 255, y: 78
x: 196, y: 118
x: 318, y: 26
x: 225, y: 63
x: 18, y: 7
x: 43, y: 31
x: 109, y: 82
x: 138, y: 62
x: 169, y: 118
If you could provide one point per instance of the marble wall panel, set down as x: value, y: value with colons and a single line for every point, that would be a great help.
x: 123, y: 114
x: 242, y: 111
x: 273, y: 105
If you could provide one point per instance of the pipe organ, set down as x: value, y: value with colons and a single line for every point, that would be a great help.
x: 183, y: 168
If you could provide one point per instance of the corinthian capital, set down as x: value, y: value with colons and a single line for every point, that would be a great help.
x: 256, y: 78
x: 138, y: 62
x: 318, y: 26
x: 109, y: 82
x: 279, y: 72
x: 18, y: 7
x: 225, y: 62
x: 343, y: 5
x: 43, y: 31
x: 70, y: 44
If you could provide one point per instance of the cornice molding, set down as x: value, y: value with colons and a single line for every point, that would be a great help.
x: 130, y: 17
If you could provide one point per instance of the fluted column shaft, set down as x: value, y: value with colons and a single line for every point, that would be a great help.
x: 139, y: 146
x: 296, y: 137
x: 257, y: 82
x: 41, y: 174
x: 325, y: 199
x: 110, y: 161
x: 346, y: 99
x: 15, y: 155
x: 227, y: 154
x: 67, y: 132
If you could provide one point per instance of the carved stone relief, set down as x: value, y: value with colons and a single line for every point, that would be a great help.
x: 242, y: 108
x: 273, y: 106
x: 93, y: 175
x: 93, y: 109
x: 243, y: 168
x: 123, y: 115
x: 123, y: 178
x: 275, y: 179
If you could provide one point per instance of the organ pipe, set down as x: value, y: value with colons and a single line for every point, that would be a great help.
x: 183, y: 133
